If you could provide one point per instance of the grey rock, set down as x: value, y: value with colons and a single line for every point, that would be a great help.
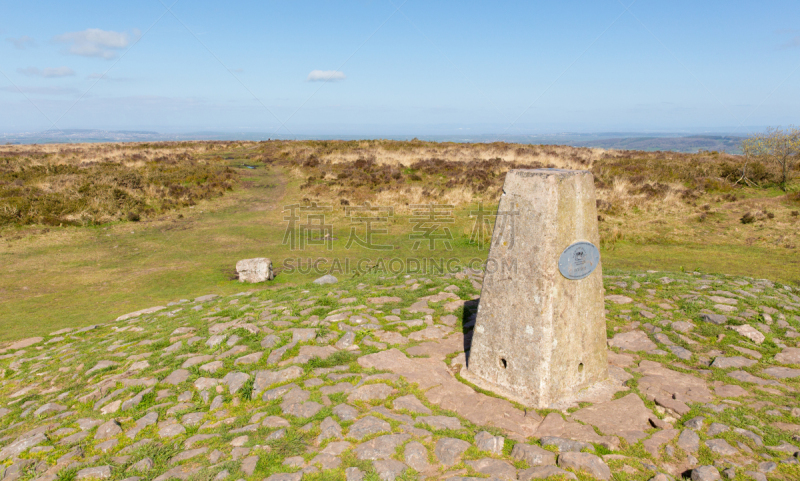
x: 188, y: 454
x: 585, y: 462
x: 533, y: 455
x: 716, y: 428
x: 235, y: 381
x: 98, y: 472
x: 269, y: 341
x: 303, y: 410
x: 721, y: 447
x: 389, y: 469
x: 495, y: 468
x: 264, y: 379
x: 416, y: 456
x: 370, y: 392
x: 382, y: 447
x: 326, y: 461
x: 705, y: 473
x: 717, y: 319
x: 449, y: 450
x: 410, y: 403
x: 366, y: 426
x: 326, y: 279
x: 143, y: 465
x: 750, y: 435
x: 109, y: 429
x: 21, y: 445
x: 756, y: 476
x: 248, y: 466
x: 171, y: 430
x: 254, y: 270
x: 695, y: 423
x: 564, y: 444
x: 689, y: 441
x: 329, y: 429
x: 722, y: 362
x: 354, y: 474
x: 544, y: 472
x: 766, y: 466
x: 441, y: 422
x: 681, y: 352
x: 345, y: 412
x: 487, y: 442
x: 49, y: 408
x: 177, y: 377
x: 347, y: 340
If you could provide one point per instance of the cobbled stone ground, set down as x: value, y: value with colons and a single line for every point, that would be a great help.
x: 360, y: 380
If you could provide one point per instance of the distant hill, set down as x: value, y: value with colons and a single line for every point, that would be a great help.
x: 690, y: 144
x: 606, y: 140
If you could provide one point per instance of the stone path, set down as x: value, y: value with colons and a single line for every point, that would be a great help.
x: 360, y: 381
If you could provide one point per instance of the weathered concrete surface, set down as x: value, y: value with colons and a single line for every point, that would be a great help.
x: 540, y: 337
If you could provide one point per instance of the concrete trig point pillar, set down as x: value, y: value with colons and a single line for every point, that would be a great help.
x: 540, y: 335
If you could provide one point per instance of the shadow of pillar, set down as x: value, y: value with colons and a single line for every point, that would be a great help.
x: 468, y: 323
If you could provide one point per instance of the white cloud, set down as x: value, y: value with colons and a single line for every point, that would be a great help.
x: 94, y: 42
x: 325, y: 76
x: 22, y: 42
x: 51, y: 72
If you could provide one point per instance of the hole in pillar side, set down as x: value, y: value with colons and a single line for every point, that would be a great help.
x: 580, y: 367
x: 503, y: 363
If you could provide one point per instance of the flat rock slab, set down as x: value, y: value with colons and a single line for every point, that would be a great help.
x: 177, y: 377
x: 545, y: 472
x: 494, y: 467
x: 554, y: 425
x: 370, y: 392
x: 626, y: 417
x: 782, y: 372
x: 533, y: 455
x: 658, y: 381
x: 410, y: 403
x: 632, y: 341
x: 368, y: 425
x: 722, y: 362
x: 382, y: 447
x: 585, y: 462
x: 449, y: 450
x: 790, y: 355
x: 450, y: 394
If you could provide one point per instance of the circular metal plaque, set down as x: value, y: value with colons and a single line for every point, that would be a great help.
x: 578, y: 260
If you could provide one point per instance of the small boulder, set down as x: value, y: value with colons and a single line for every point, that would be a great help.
x: 255, y: 270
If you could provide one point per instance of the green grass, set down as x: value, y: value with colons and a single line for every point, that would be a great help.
x: 77, y: 276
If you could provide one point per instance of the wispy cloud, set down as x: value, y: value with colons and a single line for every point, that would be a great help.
x: 107, y: 78
x: 325, y: 75
x: 52, y: 72
x: 792, y: 43
x: 22, y: 42
x: 94, y: 42
x: 40, y: 90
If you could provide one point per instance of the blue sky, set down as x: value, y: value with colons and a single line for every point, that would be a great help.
x: 393, y: 67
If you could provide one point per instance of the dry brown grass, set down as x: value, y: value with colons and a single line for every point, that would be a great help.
x: 87, y: 184
x: 642, y: 196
